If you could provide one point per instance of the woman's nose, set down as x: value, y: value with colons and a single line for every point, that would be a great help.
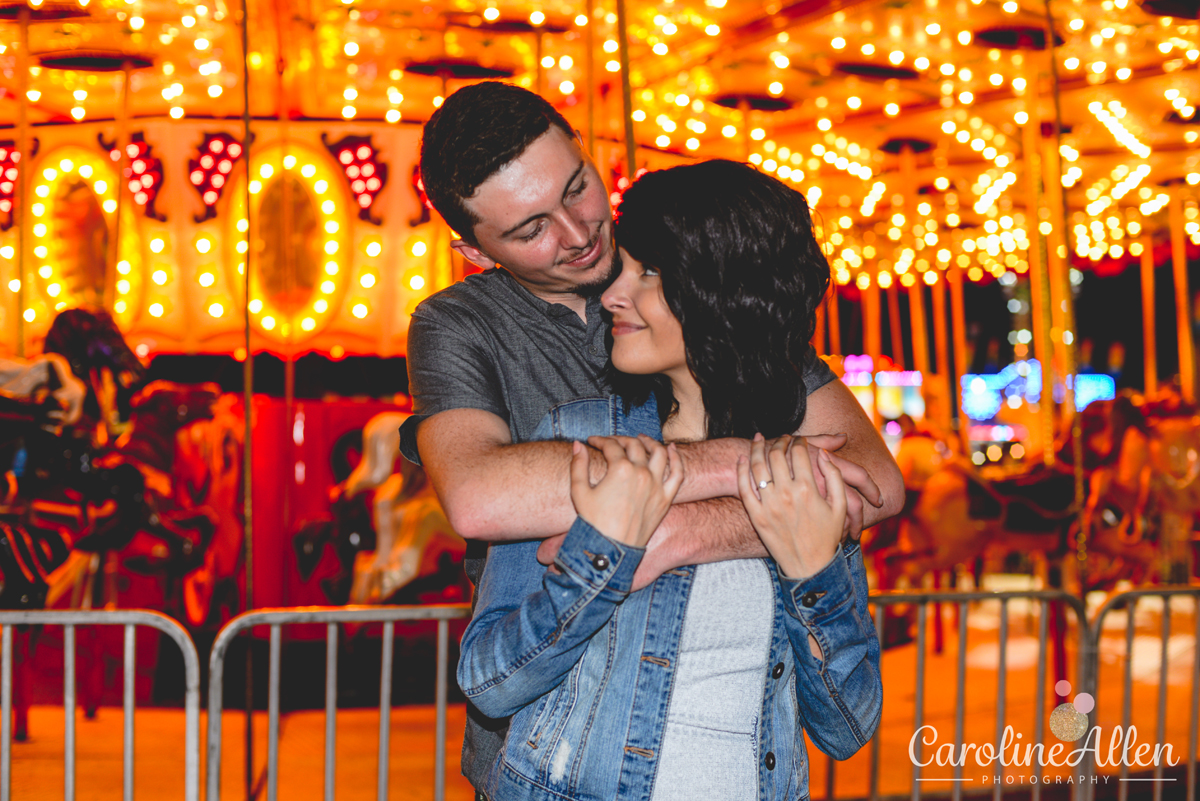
x: 616, y: 296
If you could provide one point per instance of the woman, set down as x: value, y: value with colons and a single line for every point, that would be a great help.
x: 701, y: 685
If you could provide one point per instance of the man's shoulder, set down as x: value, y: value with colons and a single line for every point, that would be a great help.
x: 479, y: 291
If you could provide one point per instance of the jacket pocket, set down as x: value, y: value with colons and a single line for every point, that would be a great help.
x: 551, y: 713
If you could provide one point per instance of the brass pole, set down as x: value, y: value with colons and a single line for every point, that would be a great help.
x: 539, y: 72
x: 114, y: 251
x: 590, y: 78
x: 21, y: 200
x: 1149, y: 347
x: 818, y: 338
x: 744, y: 107
x: 1039, y: 280
x: 1183, y: 312
x: 626, y: 91
x: 893, y: 301
x: 247, y: 407
x: 941, y: 340
x: 916, y: 294
x: 835, y: 323
x: 958, y: 322
x: 872, y: 341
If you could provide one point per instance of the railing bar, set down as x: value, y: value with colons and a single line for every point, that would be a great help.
x: 1194, y: 718
x: 331, y: 668
x: 273, y: 715
x: 1001, y: 697
x: 919, y: 700
x: 830, y: 776
x: 960, y: 694
x: 439, y: 754
x: 1127, y: 692
x: 1039, y: 693
x: 1160, y: 733
x: 69, y: 712
x: 6, y: 660
x: 880, y: 613
x: 130, y: 664
x: 385, y: 709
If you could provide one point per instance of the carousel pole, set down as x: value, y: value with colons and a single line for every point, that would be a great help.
x: 1150, y: 348
x: 20, y: 217
x: 747, y: 147
x: 893, y: 301
x: 1066, y: 301
x: 1039, y: 280
x: 958, y: 322
x: 539, y: 73
x: 835, y: 322
x: 941, y: 340
x: 916, y: 293
x: 872, y: 339
x: 626, y: 91
x: 247, y: 406
x: 1183, y: 312
x: 114, y: 254
x: 590, y: 78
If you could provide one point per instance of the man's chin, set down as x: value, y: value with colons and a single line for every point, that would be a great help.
x: 599, y: 281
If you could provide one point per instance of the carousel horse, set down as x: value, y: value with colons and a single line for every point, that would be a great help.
x: 410, y: 552
x: 1143, y: 503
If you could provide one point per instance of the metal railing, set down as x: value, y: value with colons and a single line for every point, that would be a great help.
x: 130, y: 619
x: 1128, y: 601
x: 331, y: 617
x: 1045, y: 599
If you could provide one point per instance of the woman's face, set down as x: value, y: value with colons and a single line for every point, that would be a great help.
x: 647, y: 338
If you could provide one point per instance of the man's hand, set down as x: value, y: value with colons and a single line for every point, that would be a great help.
x: 860, y: 488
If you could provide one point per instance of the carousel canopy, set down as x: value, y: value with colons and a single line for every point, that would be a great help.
x: 934, y: 135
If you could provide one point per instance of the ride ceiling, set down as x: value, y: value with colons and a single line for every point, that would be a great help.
x: 912, y: 126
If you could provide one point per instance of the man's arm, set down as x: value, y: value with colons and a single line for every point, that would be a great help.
x: 834, y: 409
x: 492, y: 489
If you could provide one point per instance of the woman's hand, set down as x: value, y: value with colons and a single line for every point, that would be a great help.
x: 635, y: 494
x: 801, y: 529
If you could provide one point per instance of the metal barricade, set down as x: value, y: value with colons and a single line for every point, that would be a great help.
x: 1128, y: 602
x: 130, y: 619
x: 963, y: 601
x: 332, y: 617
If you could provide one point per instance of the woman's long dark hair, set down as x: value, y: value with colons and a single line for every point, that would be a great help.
x: 743, y: 273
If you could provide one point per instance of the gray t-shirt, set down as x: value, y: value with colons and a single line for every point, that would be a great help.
x: 488, y: 343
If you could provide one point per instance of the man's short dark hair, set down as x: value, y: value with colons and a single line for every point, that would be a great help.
x: 478, y: 130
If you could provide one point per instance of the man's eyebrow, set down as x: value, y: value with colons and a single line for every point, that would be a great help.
x: 527, y: 221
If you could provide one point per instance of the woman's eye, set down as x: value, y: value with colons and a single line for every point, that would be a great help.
x: 649, y: 272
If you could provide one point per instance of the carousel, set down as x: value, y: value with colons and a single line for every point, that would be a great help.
x: 191, y: 180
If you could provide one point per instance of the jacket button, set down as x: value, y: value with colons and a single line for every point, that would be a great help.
x: 769, y: 760
x: 600, y: 562
x: 809, y: 600
x: 777, y: 671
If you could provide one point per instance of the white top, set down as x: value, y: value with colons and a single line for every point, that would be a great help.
x: 708, y: 749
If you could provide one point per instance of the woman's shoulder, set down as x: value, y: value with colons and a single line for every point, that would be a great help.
x: 603, y: 416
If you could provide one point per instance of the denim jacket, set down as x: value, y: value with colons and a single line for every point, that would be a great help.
x: 585, y: 666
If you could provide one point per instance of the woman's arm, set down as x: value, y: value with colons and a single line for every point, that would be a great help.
x: 839, y: 695
x: 514, y: 652
x: 838, y: 687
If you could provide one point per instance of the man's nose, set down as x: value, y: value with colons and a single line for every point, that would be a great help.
x: 575, y: 232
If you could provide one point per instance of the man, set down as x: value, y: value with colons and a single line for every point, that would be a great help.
x: 489, y: 356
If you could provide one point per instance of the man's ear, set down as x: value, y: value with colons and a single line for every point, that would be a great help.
x: 473, y: 254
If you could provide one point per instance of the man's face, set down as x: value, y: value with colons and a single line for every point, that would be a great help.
x: 545, y: 218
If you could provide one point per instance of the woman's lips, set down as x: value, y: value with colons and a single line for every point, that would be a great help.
x: 620, y: 329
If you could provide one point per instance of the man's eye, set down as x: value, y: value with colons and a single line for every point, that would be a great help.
x: 532, y: 235
x: 579, y: 191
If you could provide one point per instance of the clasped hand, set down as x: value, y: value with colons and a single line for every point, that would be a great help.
x: 800, y: 526
x: 637, y: 489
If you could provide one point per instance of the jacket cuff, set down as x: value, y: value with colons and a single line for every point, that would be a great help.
x: 596, y: 560
x: 814, y: 600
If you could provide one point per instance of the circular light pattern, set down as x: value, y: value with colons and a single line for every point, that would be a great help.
x: 317, y: 173
x: 74, y: 168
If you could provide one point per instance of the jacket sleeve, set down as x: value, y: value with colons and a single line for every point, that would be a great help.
x: 840, y: 697
x: 513, y: 652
